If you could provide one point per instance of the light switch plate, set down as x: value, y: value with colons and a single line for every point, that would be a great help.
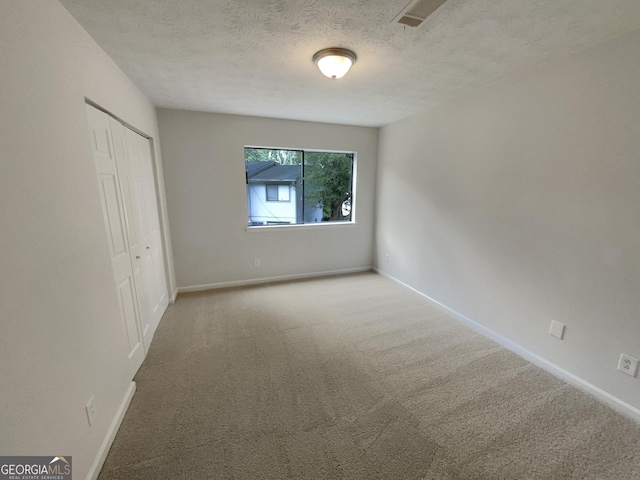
x: 557, y: 329
x: 91, y: 410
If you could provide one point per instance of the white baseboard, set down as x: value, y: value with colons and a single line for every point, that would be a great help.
x: 615, y: 403
x: 94, y: 471
x: 259, y: 281
x: 173, y: 297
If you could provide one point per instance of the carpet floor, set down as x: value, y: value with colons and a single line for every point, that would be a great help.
x: 352, y: 377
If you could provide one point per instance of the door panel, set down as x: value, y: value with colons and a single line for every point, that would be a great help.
x: 126, y: 296
x: 126, y: 173
x: 153, y: 266
x: 115, y: 232
x: 115, y: 221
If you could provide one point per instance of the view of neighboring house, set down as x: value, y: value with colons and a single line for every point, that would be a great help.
x: 274, y: 195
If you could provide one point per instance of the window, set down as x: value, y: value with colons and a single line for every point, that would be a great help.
x: 295, y: 187
x: 278, y: 193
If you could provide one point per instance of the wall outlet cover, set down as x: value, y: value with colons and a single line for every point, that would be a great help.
x: 628, y: 365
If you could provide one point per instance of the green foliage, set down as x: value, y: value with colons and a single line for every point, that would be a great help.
x: 327, y: 178
x: 282, y: 157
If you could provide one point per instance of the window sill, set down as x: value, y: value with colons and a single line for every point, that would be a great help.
x: 303, y: 226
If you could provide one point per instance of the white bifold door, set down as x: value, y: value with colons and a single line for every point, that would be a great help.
x: 126, y: 183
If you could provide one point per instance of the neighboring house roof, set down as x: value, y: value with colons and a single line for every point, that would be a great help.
x: 264, y: 172
x: 253, y: 168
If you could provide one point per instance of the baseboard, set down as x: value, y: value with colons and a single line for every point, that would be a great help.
x: 174, y: 296
x: 94, y: 471
x: 615, y: 403
x: 259, y: 281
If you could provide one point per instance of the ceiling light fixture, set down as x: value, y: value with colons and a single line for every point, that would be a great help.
x: 334, y: 62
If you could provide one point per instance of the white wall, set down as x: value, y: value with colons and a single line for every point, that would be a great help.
x: 520, y: 204
x: 61, y: 338
x: 203, y: 156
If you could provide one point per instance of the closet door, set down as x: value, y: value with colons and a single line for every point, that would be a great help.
x: 131, y: 200
x: 156, y: 298
x: 115, y: 222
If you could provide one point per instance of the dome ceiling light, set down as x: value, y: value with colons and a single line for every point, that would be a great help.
x: 334, y: 62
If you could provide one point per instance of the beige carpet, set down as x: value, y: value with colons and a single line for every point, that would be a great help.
x: 352, y: 377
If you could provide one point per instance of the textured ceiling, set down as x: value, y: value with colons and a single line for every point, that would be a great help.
x: 253, y: 57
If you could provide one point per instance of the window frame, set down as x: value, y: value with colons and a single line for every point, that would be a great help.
x: 313, y: 225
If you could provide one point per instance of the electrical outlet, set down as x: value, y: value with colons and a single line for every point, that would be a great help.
x: 628, y: 365
x: 556, y: 329
x: 386, y: 258
x: 256, y: 262
x: 91, y: 410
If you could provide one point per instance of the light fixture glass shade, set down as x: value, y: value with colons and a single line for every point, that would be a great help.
x: 334, y: 62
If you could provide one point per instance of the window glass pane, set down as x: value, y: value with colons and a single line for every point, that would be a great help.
x: 272, y: 193
x: 283, y: 193
x: 327, y: 186
x: 295, y: 186
x: 274, y: 186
